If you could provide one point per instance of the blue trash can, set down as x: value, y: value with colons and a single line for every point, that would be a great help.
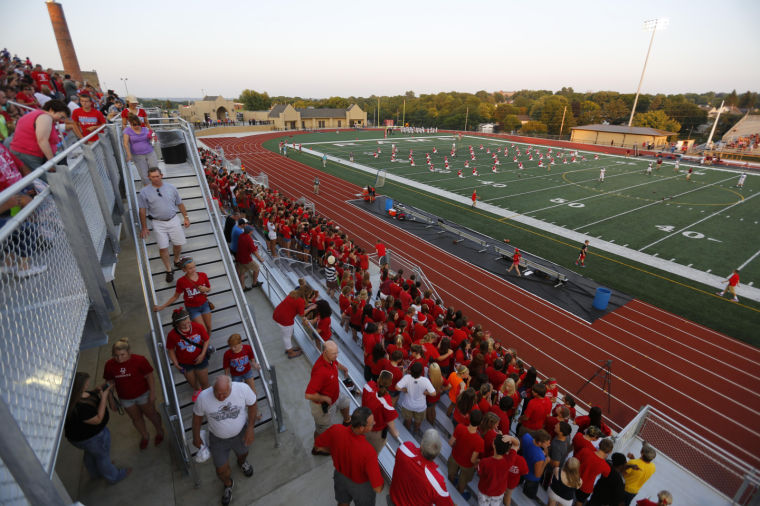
x: 602, y: 298
x: 388, y: 204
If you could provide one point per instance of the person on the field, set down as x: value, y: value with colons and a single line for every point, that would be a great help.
x: 731, y: 284
x: 516, y: 257
x: 582, y: 254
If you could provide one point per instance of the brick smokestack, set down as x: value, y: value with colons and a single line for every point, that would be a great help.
x: 65, y: 45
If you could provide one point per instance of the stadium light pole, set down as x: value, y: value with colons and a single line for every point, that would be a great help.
x: 124, y: 80
x: 651, y: 25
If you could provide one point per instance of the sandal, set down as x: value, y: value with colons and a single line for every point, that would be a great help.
x: 314, y: 451
x: 294, y: 353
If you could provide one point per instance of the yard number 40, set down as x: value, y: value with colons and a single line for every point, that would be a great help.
x: 687, y: 233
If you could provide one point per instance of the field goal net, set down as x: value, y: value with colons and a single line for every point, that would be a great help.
x: 380, y: 179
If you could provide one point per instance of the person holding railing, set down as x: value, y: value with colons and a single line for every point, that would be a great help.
x: 138, y: 148
x: 193, y: 287
x: 187, y: 345
x: 87, y: 119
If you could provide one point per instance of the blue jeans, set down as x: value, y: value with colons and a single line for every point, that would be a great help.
x: 97, y: 457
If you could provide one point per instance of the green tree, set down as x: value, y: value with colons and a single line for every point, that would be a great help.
x: 533, y: 127
x: 732, y: 99
x: 615, y: 111
x: 486, y: 110
x: 748, y: 100
x: 589, y: 113
x: 687, y: 113
x: 656, y: 119
x: 550, y: 109
x: 498, y: 98
x: 510, y: 123
x: 255, y: 101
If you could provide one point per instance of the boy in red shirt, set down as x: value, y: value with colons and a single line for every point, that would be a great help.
x: 593, y: 463
x: 239, y: 361
x: 466, y: 446
x: 494, y: 471
x: 731, y: 284
x: 537, y: 410
x: 86, y: 118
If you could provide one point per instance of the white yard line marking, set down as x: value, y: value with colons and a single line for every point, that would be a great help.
x: 748, y: 261
x: 687, y: 227
x: 645, y: 205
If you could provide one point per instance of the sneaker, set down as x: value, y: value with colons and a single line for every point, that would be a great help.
x: 719, y: 293
x: 31, y: 271
x: 196, y: 394
x: 227, y: 494
x: 247, y: 469
x: 169, y: 276
x: 8, y: 270
x: 735, y: 299
x: 257, y: 284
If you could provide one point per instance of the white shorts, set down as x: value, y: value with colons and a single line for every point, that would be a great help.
x: 166, y: 231
x: 489, y: 500
x: 286, y: 332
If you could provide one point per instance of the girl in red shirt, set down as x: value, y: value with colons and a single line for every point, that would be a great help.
x: 321, y: 322
x: 193, y: 286
x: 187, y: 345
x: 286, y: 311
x: 132, y: 376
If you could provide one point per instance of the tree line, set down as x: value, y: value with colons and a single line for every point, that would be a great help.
x: 546, y: 111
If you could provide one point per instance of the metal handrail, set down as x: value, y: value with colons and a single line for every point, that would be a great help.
x: 236, y: 289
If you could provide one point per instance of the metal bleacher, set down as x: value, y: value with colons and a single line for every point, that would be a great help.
x: 206, y: 245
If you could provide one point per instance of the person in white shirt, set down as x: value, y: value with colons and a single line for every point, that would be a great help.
x: 413, y: 403
x: 230, y: 409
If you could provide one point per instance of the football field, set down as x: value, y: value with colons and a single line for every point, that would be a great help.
x: 706, y: 223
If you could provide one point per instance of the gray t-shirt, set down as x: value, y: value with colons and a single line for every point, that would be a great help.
x: 559, y: 449
x: 161, y: 203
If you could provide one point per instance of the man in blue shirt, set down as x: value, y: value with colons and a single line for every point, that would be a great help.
x: 235, y: 235
x: 534, y: 445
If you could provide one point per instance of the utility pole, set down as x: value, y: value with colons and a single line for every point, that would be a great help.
x: 466, y: 115
x: 403, y: 116
x: 708, y: 144
x: 563, y: 121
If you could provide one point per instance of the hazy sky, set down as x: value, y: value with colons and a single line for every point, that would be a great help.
x: 321, y: 49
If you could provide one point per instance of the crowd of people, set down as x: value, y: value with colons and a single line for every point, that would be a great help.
x: 748, y: 142
x: 510, y: 427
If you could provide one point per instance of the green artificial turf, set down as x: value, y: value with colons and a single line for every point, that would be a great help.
x: 717, y: 243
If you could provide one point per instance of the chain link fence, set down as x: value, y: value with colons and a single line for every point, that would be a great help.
x: 43, y: 308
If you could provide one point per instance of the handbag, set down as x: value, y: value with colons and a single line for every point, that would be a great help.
x: 209, y: 351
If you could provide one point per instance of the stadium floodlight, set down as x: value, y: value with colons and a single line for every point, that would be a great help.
x: 651, y: 25
x: 124, y: 80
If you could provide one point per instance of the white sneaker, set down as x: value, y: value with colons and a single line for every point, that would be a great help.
x: 31, y: 271
x: 8, y: 270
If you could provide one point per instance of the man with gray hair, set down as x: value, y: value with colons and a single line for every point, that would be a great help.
x: 416, y: 480
x: 230, y: 409
x: 324, y: 392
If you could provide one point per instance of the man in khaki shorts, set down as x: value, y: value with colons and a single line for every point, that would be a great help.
x: 160, y: 201
x: 244, y: 262
x: 324, y: 392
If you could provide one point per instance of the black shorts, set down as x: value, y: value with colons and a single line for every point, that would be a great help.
x: 581, y: 497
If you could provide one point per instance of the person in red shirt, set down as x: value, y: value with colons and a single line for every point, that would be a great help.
x: 238, y: 362
x: 132, y: 375
x: 594, y: 418
x: 466, y: 446
x: 494, y: 470
x: 323, y: 320
x: 357, y: 475
x: 593, y: 463
x: 516, y: 257
x: 376, y: 397
x: 324, y: 392
x: 538, y: 409
x: 193, y: 287
x: 731, y: 284
x: 586, y: 440
x: 132, y: 108
x: 488, y: 430
x: 286, y: 311
x: 41, y: 78
x: 187, y: 345
x: 416, y: 480
x: 382, y: 259
x: 474, y: 198
x: 86, y: 118
x: 503, y: 410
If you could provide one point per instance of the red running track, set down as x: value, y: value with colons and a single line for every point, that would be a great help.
x: 705, y: 380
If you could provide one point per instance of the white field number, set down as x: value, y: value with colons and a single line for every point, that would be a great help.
x: 495, y: 185
x: 576, y: 205
x: 691, y: 234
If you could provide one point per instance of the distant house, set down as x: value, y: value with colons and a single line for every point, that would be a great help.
x: 211, y: 108
x: 285, y: 116
x: 619, y: 135
x: 486, y: 128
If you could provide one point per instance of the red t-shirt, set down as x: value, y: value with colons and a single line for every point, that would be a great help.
x: 518, y: 468
x: 591, y: 467
x: 505, y: 420
x: 380, y: 249
x: 466, y: 443
x: 494, y: 475
x: 457, y: 337
x: 88, y: 121
x: 129, y: 377
x: 186, y: 352
x: 189, y: 290
x: 416, y: 481
x: 41, y: 78
x: 368, y: 343
x: 324, y: 379
x: 536, y: 412
x: 733, y: 280
x: 239, y: 364
x: 495, y: 378
x: 246, y: 249
x: 646, y: 502
x: 141, y: 114
x: 286, y: 311
x: 580, y: 442
x: 352, y: 455
x: 323, y: 327
x: 382, y: 407
x: 488, y: 439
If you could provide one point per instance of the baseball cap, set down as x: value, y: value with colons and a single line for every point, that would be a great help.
x: 331, y: 260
